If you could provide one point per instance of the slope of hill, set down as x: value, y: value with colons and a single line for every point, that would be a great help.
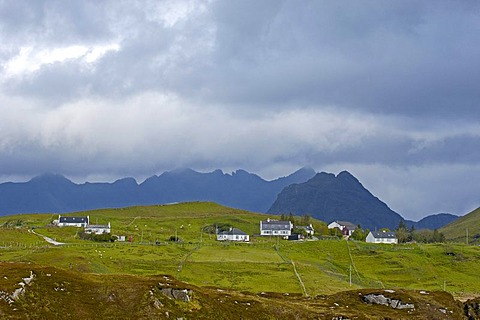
x: 55, y: 193
x: 54, y: 293
x: 268, y: 276
x: 467, y: 225
x: 328, y: 197
x: 432, y: 222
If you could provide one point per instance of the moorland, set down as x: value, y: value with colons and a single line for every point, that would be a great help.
x: 267, y: 277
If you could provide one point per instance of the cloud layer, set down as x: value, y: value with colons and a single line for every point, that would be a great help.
x: 387, y: 91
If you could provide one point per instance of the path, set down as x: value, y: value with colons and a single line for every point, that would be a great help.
x: 49, y: 240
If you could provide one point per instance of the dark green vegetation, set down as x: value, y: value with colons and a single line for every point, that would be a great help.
x: 304, y: 279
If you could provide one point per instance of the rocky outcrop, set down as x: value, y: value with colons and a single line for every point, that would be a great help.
x: 471, y: 309
x: 178, y: 294
x: 10, y: 298
x: 382, y: 300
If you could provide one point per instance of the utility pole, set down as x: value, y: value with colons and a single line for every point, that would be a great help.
x: 466, y: 235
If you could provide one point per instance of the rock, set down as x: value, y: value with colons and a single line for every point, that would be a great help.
x: 382, y: 300
x: 178, y: 294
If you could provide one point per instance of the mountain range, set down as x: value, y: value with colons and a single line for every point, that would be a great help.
x: 55, y: 193
x: 321, y: 195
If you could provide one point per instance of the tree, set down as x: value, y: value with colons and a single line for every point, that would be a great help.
x: 305, y: 220
x: 358, y: 235
x: 402, y: 232
x: 291, y: 218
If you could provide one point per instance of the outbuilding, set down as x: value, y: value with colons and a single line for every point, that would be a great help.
x: 233, y: 234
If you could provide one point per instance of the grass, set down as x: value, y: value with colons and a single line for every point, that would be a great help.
x: 468, y: 224
x: 264, y: 265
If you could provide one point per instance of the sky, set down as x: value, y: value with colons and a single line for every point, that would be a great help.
x: 387, y: 90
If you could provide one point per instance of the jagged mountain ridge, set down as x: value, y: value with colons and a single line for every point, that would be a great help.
x: 328, y: 197
x: 55, y: 193
x: 240, y: 189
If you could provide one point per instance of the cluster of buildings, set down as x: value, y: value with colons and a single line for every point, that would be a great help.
x: 284, y: 229
x: 268, y: 227
x: 82, y: 222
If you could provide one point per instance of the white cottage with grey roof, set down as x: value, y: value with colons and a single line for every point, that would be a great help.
x: 72, y: 221
x: 346, y: 227
x: 272, y: 227
x: 233, y: 234
x: 382, y: 237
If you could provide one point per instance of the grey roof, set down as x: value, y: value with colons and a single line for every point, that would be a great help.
x: 308, y: 228
x: 275, y: 225
x: 98, y: 226
x: 233, y: 232
x: 73, y: 220
x: 349, y: 225
x: 383, y: 235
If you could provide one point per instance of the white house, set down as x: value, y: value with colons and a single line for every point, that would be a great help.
x: 308, y: 229
x: 346, y: 227
x: 275, y: 228
x: 233, y: 234
x: 381, y: 237
x: 72, y: 221
x: 98, y: 228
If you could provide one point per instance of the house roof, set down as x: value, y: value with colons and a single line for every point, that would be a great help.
x: 73, y: 220
x: 383, y: 235
x: 233, y: 232
x: 349, y: 225
x: 275, y: 225
x: 308, y: 228
x: 98, y: 226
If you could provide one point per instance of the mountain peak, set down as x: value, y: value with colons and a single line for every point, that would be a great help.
x: 50, y: 177
x: 328, y: 197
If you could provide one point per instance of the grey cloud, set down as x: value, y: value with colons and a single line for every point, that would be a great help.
x: 267, y: 86
x: 407, y: 58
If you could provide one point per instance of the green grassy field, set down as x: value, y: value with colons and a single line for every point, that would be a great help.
x: 263, y: 265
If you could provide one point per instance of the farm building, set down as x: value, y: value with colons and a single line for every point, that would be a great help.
x: 233, y: 234
x: 275, y: 228
x: 381, y: 237
x: 346, y: 227
x: 308, y: 229
x: 98, y: 228
x: 72, y: 221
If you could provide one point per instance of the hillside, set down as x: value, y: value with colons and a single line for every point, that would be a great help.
x: 328, y: 198
x: 54, y: 293
x: 468, y: 224
x: 434, y: 221
x: 268, y: 277
x: 55, y: 193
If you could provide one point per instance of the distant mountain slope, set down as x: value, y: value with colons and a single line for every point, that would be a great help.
x: 467, y: 224
x: 55, y: 193
x: 434, y: 221
x: 328, y: 197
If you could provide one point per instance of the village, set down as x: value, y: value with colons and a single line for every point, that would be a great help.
x: 284, y: 229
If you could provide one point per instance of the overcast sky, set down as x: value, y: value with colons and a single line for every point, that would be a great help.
x: 387, y: 90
